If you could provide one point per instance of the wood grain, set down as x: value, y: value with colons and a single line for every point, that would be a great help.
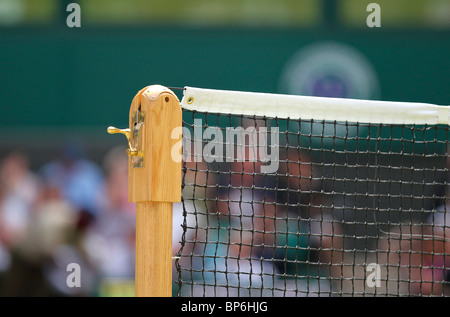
x: 154, y: 188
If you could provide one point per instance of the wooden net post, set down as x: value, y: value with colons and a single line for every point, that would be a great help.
x: 154, y: 188
x: 154, y: 184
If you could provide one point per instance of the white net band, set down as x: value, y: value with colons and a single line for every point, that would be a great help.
x: 314, y: 108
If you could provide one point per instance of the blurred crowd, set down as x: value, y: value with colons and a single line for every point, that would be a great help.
x: 253, y: 234
x: 70, y: 210
x: 244, y: 233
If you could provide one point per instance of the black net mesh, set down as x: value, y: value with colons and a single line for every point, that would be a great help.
x: 286, y: 207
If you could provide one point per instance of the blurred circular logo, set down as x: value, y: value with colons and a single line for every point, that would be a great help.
x: 330, y: 69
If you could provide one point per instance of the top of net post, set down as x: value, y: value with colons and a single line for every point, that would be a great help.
x: 153, y: 176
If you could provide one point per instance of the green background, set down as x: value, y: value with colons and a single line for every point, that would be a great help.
x: 58, y: 82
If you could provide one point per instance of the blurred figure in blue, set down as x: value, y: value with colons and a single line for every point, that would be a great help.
x: 78, y: 180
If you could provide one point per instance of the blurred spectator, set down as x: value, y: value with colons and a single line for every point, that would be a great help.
x: 417, y: 255
x: 191, y: 218
x: 78, y: 179
x: 110, y: 240
x: 437, y: 251
x: 40, y: 256
x: 415, y: 260
x: 18, y: 192
x: 310, y: 246
x: 236, y: 232
x: 248, y: 210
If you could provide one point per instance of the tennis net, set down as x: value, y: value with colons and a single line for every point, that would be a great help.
x: 306, y: 196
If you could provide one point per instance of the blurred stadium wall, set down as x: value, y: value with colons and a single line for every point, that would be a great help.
x: 58, y: 82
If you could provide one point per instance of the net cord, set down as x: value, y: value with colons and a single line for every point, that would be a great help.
x: 315, y: 108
